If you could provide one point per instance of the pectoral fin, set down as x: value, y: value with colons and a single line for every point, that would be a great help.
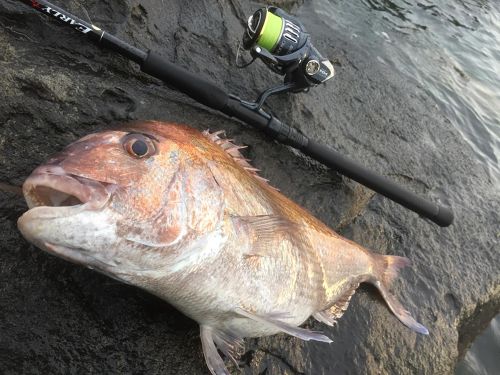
x: 273, y: 321
x: 266, y: 232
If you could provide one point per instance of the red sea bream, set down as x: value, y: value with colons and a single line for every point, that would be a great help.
x: 184, y: 216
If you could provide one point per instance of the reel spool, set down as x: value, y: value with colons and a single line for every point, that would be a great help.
x: 284, y: 45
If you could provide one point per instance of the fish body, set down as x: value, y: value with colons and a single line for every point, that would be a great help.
x: 184, y: 216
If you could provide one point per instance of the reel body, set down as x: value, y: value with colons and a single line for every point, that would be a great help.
x: 283, y: 44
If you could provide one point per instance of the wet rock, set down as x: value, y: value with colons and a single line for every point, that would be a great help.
x: 56, y: 87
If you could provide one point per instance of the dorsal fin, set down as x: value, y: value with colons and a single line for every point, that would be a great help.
x: 234, y: 151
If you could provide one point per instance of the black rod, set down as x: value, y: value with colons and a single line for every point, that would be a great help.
x: 212, y: 96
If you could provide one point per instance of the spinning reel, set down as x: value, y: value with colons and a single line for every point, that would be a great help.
x: 282, y: 43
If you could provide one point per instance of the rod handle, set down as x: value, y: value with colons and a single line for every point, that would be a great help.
x: 181, y: 79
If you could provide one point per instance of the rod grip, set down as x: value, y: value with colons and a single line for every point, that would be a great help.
x: 442, y: 216
x: 190, y: 84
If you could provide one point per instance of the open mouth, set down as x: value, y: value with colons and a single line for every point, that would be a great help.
x: 60, y: 203
x: 48, y: 189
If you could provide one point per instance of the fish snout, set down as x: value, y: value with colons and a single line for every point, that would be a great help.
x: 65, y: 211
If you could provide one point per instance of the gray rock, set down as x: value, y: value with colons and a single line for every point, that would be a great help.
x: 56, y: 86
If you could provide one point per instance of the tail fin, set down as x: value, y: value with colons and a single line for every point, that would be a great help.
x: 388, y: 267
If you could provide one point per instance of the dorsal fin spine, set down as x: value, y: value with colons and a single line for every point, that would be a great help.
x: 233, y: 150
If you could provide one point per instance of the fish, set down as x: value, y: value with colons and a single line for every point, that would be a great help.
x: 183, y: 215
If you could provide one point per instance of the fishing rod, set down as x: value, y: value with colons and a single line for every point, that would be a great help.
x: 282, y: 43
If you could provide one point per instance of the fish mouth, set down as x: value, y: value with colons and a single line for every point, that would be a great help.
x: 52, y: 187
x: 52, y: 193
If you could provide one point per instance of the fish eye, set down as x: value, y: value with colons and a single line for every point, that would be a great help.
x: 138, y: 145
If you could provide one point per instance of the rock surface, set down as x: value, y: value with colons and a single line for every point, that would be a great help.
x: 56, y: 86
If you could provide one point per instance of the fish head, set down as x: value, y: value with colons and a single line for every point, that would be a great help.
x: 119, y: 201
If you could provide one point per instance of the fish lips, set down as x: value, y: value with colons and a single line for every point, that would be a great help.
x: 52, y: 193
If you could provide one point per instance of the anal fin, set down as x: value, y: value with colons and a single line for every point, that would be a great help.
x: 334, y: 312
x: 298, y: 332
x: 325, y: 318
